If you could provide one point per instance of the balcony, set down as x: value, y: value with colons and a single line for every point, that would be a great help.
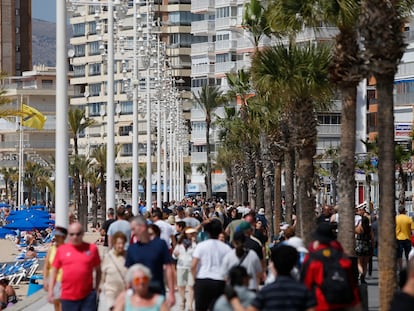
x: 226, y: 23
x: 204, y: 27
x: 224, y: 3
x: 404, y: 99
x: 222, y: 68
x: 244, y: 64
x: 202, y: 6
x: 405, y: 69
x: 202, y: 48
x: 197, y: 114
x: 204, y: 69
x: 329, y: 130
x: 317, y: 34
x: 198, y: 157
x: 226, y: 45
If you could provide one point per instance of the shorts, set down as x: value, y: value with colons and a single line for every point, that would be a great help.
x: 184, y: 277
x: 403, y: 246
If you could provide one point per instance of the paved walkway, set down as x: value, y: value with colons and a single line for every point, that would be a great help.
x: 38, y: 302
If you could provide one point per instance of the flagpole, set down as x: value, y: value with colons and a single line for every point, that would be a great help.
x: 20, y: 182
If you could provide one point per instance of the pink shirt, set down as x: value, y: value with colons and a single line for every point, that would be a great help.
x: 77, y: 264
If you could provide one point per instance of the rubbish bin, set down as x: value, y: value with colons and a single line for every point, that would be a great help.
x: 34, y: 285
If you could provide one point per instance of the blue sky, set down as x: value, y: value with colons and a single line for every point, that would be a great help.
x: 44, y: 10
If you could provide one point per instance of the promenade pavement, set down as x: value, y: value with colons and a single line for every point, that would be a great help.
x: 38, y: 301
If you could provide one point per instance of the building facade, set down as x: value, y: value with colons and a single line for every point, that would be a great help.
x: 15, y: 36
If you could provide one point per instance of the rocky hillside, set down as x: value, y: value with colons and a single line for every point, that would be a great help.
x: 44, y: 42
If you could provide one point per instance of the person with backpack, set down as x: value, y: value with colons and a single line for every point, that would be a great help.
x: 329, y: 273
x: 364, y: 247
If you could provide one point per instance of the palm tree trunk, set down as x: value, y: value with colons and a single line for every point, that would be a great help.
x: 259, y: 186
x: 278, y: 198
x: 289, y: 184
x: 244, y: 192
x: 208, y: 164
x: 402, y: 184
x: 386, y: 172
x: 102, y: 193
x: 346, y: 232
x: 95, y: 206
x: 306, y: 134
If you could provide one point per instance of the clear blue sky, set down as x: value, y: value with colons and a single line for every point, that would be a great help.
x: 44, y: 10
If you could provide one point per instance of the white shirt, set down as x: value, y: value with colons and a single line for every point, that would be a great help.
x: 185, y: 256
x: 251, y: 263
x: 166, y: 231
x: 210, y: 254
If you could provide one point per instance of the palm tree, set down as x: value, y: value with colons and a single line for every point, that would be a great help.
x: 99, y: 155
x: 254, y: 20
x: 381, y: 25
x: 208, y: 100
x: 299, y: 77
x: 94, y: 183
x: 289, y: 17
x: 5, y: 172
x: 78, y: 122
x: 402, y: 156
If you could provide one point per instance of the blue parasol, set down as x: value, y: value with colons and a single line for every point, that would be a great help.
x: 2, y: 204
x: 5, y: 231
x: 28, y: 224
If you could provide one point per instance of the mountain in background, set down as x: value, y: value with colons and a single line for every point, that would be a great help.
x: 44, y: 42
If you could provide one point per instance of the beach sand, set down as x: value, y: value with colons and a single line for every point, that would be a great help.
x: 9, y: 251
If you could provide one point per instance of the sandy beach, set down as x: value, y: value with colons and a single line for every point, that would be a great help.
x: 9, y: 252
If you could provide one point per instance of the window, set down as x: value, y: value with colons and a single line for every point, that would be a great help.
x: 126, y: 150
x: 126, y: 107
x: 94, y: 48
x: 94, y: 109
x: 94, y: 89
x: 125, y: 130
x: 92, y: 28
x: 198, y: 82
x: 94, y: 69
x: 222, y: 37
x: 223, y: 12
x: 79, y: 50
x: 329, y: 119
x: 79, y: 71
x: 183, y: 18
x: 47, y: 84
x: 79, y: 30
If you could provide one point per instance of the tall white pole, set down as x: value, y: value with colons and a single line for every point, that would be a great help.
x: 165, y: 174
x: 110, y: 111
x: 181, y: 174
x: 171, y: 170
x: 149, y: 167
x: 135, y: 80
x: 21, y: 160
x: 159, y: 199
x: 62, y: 138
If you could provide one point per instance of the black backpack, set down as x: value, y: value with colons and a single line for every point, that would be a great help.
x: 336, y: 285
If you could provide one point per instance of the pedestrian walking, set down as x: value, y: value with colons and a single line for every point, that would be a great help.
x: 404, y: 228
x: 206, y: 267
x: 121, y: 224
x: 106, y: 224
x: 79, y: 262
x: 153, y: 254
x: 364, y: 247
x: 114, y: 270
x: 139, y: 297
x: 59, y: 236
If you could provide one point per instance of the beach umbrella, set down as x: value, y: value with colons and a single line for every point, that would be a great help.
x: 30, y: 212
x: 5, y: 231
x: 38, y: 207
x: 2, y: 204
x: 28, y: 224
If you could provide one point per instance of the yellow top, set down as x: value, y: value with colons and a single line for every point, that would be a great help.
x: 404, y: 225
x: 52, y: 254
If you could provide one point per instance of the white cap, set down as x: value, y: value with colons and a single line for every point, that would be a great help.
x: 298, y: 244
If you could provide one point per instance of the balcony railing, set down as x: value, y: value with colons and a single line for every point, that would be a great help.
x: 226, y: 23
x: 197, y: 114
x: 202, y: 48
x: 204, y: 69
x: 226, y: 45
x: 198, y: 157
x: 202, y: 5
x: 226, y: 67
x: 224, y: 3
x: 205, y: 26
x: 404, y: 99
x: 329, y: 129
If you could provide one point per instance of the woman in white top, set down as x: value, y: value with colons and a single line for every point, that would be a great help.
x: 113, y: 270
x: 183, y: 252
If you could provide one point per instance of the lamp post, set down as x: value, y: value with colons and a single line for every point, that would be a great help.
x: 62, y: 138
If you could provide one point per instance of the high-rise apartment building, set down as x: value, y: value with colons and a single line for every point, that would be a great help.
x: 15, y: 36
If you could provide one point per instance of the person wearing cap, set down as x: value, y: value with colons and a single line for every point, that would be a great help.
x: 404, y: 229
x: 59, y: 237
x: 251, y: 242
x: 121, y: 224
x: 183, y: 252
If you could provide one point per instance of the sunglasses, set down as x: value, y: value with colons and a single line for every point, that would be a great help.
x: 140, y: 280
x: 75, y: 233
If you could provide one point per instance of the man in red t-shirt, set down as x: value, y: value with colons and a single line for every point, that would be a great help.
x: 78, y: 260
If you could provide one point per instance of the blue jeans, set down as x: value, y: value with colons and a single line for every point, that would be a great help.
x: 89, y: 303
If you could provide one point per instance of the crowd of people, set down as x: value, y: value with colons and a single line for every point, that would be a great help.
x: 217, y: 256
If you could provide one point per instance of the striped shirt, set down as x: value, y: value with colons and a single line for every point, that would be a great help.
x: 284, y: 294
